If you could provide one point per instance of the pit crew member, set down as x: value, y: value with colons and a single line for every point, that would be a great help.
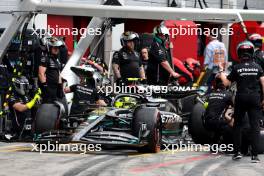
x: 159, y: 65
x: 20, y: 105
x: 49, y: 72
x: 84, y: 92
x: 257, y: 40
x: 216, y: 104
x: 126, y: 61
x: 144, y: 58
x: 249, y: 76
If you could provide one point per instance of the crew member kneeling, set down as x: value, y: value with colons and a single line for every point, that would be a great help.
x: 85, y: 92
x: 20, y: 106
x: 214, y: 118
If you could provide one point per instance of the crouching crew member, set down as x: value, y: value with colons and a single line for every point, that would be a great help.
x: 85, y: 94
x: 214, y: 118
x: 249, y: 76
x: 20, y: 105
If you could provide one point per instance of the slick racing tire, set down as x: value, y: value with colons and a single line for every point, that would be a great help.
x: 261, y: 141
x: 188, y: 103
x: 196, y: 128
x: 46, y: 118
x: 151, y: 118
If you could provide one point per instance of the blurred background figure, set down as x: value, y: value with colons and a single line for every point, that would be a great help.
x: 144, y: 58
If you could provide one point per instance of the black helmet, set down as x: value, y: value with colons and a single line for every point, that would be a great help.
x: 245, y: 49
x: 256, y: 39
x: 128, y: 36
x: 219, y: 83
x: 21, y: 85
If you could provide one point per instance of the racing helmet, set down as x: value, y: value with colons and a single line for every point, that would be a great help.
x: 125, y: 102
x: 256, y: 39
x: 128, y: 36
x: 21, y: 85
x: 44, y: 40
x: 54, y: 42
x: 245, y: 49
x: 219, y: 83
x: 161, y: 30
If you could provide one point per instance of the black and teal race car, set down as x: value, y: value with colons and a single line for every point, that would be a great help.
x: 133, y: 120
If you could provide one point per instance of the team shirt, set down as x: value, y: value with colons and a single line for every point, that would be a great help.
x: 129, y: 63
x: 247, y: 75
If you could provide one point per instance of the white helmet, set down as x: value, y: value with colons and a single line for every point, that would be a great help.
x: 128, y: 36
x: 54, y: 42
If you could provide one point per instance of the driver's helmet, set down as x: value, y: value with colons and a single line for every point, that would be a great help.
x: 128, y: 36
x: 125, y: 102
x: 21, y: 85
x: 256, y: 39
x: 245, y: 50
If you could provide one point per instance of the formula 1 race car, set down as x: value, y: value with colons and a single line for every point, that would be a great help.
x: 137, y: 120
x: 139, y: 126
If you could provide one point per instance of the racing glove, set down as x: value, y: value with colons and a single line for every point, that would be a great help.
x: 34, y: 100
x: 205, y: 105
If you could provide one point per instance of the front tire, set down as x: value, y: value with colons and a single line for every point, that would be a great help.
x: 196, y: 127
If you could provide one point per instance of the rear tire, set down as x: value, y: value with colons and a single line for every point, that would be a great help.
x: 196, y: 128
x: 188, y: 103
x: 47, y: 118
x: 151, y: 117
x: 261, y: 141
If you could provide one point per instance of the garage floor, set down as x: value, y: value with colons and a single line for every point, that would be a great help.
x: 18, y: 159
